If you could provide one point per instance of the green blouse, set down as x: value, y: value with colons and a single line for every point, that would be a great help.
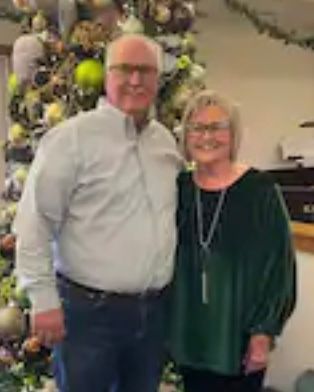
x: 250, y: 273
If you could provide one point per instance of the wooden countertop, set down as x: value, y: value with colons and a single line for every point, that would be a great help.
x: 303, y: 236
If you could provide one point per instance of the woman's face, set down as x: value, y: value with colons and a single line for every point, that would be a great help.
x: 208, y: 135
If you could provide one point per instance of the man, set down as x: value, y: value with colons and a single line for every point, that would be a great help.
x: 102, y: 189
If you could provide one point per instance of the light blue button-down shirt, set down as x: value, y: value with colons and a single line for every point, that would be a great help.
x: 108, y: 194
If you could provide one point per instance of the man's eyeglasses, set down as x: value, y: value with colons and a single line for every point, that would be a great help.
x: 127, y: 70
x: 200, y: 129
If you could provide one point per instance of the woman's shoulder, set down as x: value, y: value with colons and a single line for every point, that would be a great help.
x: 258, y: 179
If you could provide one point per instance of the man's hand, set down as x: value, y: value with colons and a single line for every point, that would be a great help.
x: 257, y: 354
x: 48, y: 326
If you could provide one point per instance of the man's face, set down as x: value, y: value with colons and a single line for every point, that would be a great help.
x: 132, y: 77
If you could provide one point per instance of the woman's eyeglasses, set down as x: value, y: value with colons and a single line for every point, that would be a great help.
x: 200, y: 129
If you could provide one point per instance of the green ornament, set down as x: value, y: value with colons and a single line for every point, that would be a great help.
x: 89, y: 75
x: 184, y: 62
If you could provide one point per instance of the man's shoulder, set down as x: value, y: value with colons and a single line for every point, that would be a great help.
x: 163, y: 132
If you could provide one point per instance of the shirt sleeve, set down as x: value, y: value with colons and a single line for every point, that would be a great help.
x: 41, y: 212
x: 277, y: 283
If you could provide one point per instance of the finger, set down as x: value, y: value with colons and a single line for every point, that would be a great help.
x: 252, y: 366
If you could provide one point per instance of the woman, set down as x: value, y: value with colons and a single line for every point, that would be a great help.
x: 234, y: 284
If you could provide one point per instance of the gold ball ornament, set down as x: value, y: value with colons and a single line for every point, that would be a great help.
x: 12, y: 322
x: 21, y: 174
x: 89, y: 75
x: 32, y: 345
x: 17, y: 133
x: 11, y: 211
x: 54, y: 113
x: 162, y: 14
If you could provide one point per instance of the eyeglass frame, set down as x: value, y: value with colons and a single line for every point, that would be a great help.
x: 213, y: 127
x: 126, y: 70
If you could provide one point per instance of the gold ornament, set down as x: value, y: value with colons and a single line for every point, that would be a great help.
x: 162, y: 14
x: 17, y: 134
x: 12, y: 322
x: 31, y: 345
x: 54, y: 113
x: 89, y: 34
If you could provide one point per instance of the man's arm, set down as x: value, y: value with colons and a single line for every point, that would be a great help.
x: 42, y: 209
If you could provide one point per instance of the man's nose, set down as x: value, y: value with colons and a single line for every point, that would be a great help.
x: 135, y: 77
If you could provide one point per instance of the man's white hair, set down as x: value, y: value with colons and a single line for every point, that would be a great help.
x: 152, y: 45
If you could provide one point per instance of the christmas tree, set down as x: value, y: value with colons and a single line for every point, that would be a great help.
x: 58, y: 63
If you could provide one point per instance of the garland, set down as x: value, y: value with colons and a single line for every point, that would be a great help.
x: 266, y: 26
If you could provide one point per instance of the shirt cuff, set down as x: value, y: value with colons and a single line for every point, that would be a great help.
x: 45, y: 299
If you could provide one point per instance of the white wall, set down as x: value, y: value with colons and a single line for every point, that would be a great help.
x: 274, y: 85
x: 8, y: 32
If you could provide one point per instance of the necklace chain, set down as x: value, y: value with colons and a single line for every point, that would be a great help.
x: 206, y: 240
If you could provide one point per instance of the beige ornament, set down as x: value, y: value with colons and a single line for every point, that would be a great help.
x: 12, y: 322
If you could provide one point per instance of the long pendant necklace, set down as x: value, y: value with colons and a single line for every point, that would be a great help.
x: 206, y: 240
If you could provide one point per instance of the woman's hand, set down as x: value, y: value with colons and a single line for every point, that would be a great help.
x: 257, y: 355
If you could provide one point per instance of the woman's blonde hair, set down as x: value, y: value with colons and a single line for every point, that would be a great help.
x: 208, y: 98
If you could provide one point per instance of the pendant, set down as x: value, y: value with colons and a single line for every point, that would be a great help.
x: 204, y: 287
x: 205, y: 252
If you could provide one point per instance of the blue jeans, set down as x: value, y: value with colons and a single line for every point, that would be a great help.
x: 113, y: 344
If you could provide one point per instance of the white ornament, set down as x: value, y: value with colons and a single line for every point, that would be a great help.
x: 132, y: 25
x: 27, y: 49
x: 197, y: 72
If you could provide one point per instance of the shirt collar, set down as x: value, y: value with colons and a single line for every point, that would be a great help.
x: 128, y: 120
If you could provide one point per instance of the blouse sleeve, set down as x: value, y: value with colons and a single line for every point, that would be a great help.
x: 277, y: 286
